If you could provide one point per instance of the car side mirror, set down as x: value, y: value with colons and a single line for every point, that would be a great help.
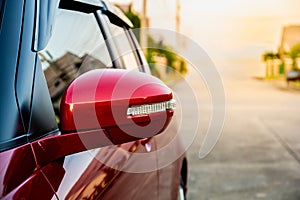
x: 127, y: 105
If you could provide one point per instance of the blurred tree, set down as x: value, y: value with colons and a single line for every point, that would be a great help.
x: 156, y: 48
x: 268, y: 58
x: 294, y: 54
x: 183, y: 67
x: 173, y: 61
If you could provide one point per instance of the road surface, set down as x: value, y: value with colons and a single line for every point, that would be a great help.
x: 258, y: 153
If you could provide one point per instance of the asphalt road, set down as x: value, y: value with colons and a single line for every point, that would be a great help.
x: 258, y: 153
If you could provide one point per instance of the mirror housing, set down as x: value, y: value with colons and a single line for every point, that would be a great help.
x: 127, y: 105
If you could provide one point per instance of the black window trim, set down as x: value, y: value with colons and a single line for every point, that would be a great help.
x: 112, y: 44
x: 106, y: 32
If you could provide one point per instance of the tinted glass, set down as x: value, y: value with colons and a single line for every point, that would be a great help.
x: 125, y: 47
x: 76, y: 46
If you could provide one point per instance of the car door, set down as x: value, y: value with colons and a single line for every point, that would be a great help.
x: 77, y: 45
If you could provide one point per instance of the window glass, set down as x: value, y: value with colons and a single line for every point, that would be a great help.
x: 125, y: 47
x: 76, y: 46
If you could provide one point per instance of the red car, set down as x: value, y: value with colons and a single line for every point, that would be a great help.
x: 81, y: 116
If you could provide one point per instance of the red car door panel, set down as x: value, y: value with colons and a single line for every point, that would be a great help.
x: 98, y: 173
x: 16, y: 166
x: 20, y: 178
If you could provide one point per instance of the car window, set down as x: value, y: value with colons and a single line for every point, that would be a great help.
x: 76, y: 46
x: 125, y: 47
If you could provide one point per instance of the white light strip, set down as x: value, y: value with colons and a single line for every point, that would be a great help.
x: 151, y: 108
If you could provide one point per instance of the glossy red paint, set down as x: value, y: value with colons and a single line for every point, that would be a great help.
x: 131, y: 133
x: 99, y: 181
x: 54, y: 174
x: 98, y: 176
x: 170, y: 141
x: 37, y: 186
x: 138, y: 185
x: 16, y: 166
x: 100, y: 99
x: 54, y: 147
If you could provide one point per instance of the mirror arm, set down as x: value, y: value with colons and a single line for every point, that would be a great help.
x: 55, y: 147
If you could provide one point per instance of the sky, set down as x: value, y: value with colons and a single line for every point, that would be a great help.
x: 243, y: 7
x: 225, y: 7
x: 228, y: 29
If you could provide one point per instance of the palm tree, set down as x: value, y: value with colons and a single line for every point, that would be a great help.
x: 268, y: 59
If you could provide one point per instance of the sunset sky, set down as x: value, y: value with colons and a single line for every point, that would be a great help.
x: 227, y: 29
x: 219, y: 14
x: 228, y: 7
